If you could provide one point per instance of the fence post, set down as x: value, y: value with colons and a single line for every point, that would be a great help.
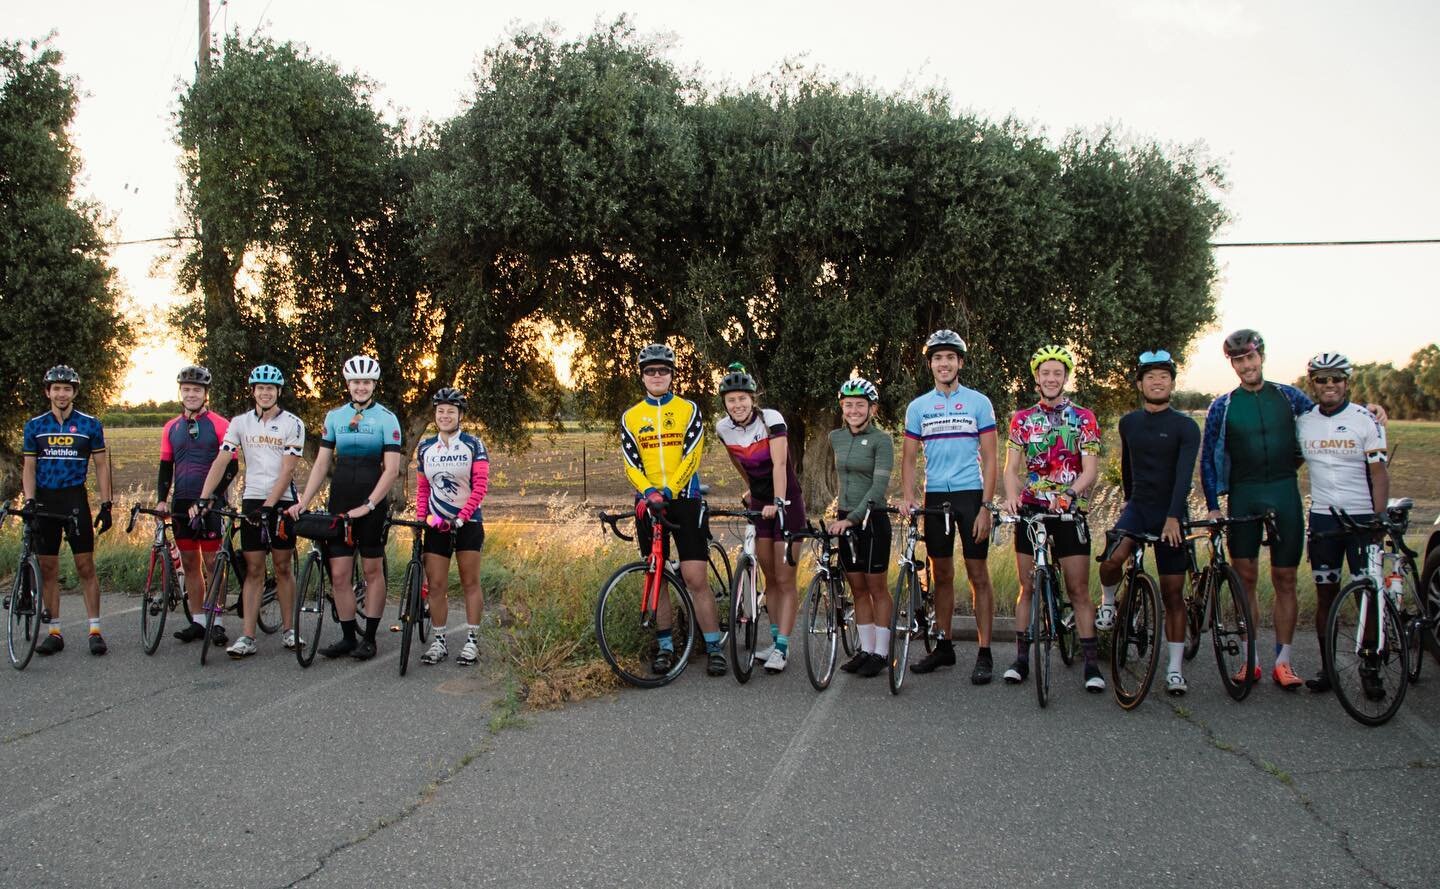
x: 584, y: 475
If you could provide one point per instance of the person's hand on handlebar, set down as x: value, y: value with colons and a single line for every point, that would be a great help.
x: 1171, y: 532
x: 1012, y: 505
x: 840, y: 527
x: 293, y: 511
x: 653, y: 499
x: 162, y: 507
x: 437, y: 522
x: 1213, y: 515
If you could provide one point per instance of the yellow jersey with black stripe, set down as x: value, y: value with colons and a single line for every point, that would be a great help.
x: 661, y: 439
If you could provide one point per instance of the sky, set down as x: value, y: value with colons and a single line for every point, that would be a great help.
x: 1322, y: 113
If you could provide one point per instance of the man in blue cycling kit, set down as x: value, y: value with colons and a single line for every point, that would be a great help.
x: 362, y: 441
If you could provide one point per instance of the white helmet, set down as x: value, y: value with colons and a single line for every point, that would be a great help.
x: 361, y: 367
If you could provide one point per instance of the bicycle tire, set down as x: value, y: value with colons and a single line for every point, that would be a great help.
x: 744, y: 638
x: 269, y: 617
x: 925, y: 612
x: 1068, y: 634
x: 849, y: 629
x: 1230, y: 632
x: 1040, y: 633
x: 214, y: 600
x: 1430, y: 585
x: 1135, y: 644
x: 628, y: 646
x: 821, y: 632
x: 902, y: 627
x: 1350, y: 661
x: 1200, y: 591
x: 155, y: 599
x: 22, y: 621
x: 1414, y: 623
x: 719, y: 575
x: 410, y: 612
x: 309, y: 607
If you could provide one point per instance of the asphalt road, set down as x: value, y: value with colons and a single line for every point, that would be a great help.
x: 136, y: 771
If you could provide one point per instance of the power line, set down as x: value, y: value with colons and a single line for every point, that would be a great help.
x: 1398, y: 241
x: 173, y: 238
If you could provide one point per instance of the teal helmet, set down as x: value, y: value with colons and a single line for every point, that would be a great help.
x: 267, y: 373
x: 859, y: 387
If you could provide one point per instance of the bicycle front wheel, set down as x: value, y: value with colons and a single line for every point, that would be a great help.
x: 23, y: 627
x: 1067, y: 635
x: 214, y: 601
x: 1413, y: 622
x: 821, y: 632
x: 1195, y: 611
x: 1230, y: 632
x: 745, y: 618
x: 717, y: 572
x: 1367, y: 653
x: 160, y: 583
x: 310, y: 607
x: 903, y: 626
x: 632, y: 642
x: 1135, y: 644
x: 409, y: 612
x: 1040, y: 633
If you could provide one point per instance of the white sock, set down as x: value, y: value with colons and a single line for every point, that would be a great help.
x: 1177, y: 656
x: 1107, y: 593
x: 197, y: 620
x: 882, y: 641
x: 1284, y: 656
x: 867, y: 637
x: 439, y: 632
x: 94, y: 624
x: 472, y: 633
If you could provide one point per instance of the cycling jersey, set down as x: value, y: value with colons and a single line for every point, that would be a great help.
x: 661, y: 439
x: 749, y: 445
x: 1054, y: 441
x: 1158, y: 451
x: 950, y: 426
x: 360, y: 438
x: 62, y: 447
x: 451, y: 477
x: 191, y: 445
x: 265, y: 443
x: 1338, y: 449
x: 863, y: 463
x: 1220, y: 468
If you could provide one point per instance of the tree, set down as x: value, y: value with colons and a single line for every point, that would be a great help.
x: 59, y: 303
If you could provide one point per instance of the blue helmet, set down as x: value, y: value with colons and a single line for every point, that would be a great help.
x: 267, y: 373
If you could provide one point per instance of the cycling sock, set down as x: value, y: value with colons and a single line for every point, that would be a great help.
x: 1177, y: 656
x: 1107, y: 593
x: 1022, y: 646
x: 983, y: 651
x: 882, y: 641
x: 774, y: 632
x: 867, y: 637
x: 665, y: 639
x: 54, y: 627
x: 782, y: 643
x: 371, y: 624
x: 197, y: 620
x: 1091, y: 649
x: 1282, y: 653
x: 439, y: 632
x: 94, y: 625
x: 472, y: 633
x: 348, y: 628
x: 712, y: 643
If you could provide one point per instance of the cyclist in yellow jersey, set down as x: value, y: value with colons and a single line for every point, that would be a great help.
x: 661, y: 438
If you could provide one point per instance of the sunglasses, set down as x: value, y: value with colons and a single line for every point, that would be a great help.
x: 1155, y: 357
x: 1324, y: 381
x: 355, y: 421
x: 657, y: 371
x: 193, y: 427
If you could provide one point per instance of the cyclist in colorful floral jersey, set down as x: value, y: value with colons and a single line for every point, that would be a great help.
x: 56, y: 451
x: 1345, y: 453
x: 452, y: 474
x: 1051, y: 463
x: 755, y: 438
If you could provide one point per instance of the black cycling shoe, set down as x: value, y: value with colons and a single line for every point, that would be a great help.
x: 97, y: 644
x: 716, y: 665
x: 339, y: 648
x: 1017, y: 673
x: 874, y: 664
x: 1370, y: 683
x: 983, y: 670
x: 1320, y: 684
x: 855, y: 663
x: 53, y: 643
x: 191, y: 632
x: 942, y: 656
x: 663, y: 663
x: 364, y: 649
x: 218, y: 636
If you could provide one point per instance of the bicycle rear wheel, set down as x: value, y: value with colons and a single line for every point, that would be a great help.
x: 1067, y: 635
x: 1135, y: 644
x: 1195, y: 611
x: 1413, y: 622
x: 821, y: 629
x: 745, y: 618
x: 849, y: 629
x: 214, y: 600
x: 23, y: 627
x: 410, y: 608
x: 1368, y: 675
x: 903, y: 627
x: 628, y: 645
x: 310, y: 607
x: 1041, y: 590
x: 1230, y: 632
x: 718, y: 574
x: 156, y: 598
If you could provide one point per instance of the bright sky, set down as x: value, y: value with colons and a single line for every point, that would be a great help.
x: 1324, y: 114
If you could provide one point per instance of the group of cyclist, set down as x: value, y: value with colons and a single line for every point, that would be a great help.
x: 1255, y: 437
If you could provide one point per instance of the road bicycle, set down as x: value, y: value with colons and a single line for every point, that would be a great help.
x: 1135, y: 641
x: 1051, y: 622
x: 313, y: 590
x: 228, y: 561
x: 1216, y: 602
x: 640, y: 603
x: 828, y: 615
x: 748, y: 616
x: 914, y: 614
x: 164, y: 590
x: 25, y: 618
x: 1373, y: 637
x: 414, y: 592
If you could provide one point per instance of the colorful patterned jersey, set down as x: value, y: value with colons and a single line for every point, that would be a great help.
x: 749, y: 445
x: 1053, y: 440
x: 661, y: 440
x: 62, y: 448
x: 451, y: 478
x: 191, y: 444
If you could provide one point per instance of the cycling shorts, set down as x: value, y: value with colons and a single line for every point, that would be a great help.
x: 769, y: 529
x: 692, y: 540
x: 205, y: 537
x: 64, y: 501
x: 1252, y: 499
x: 965, y: 506
x: 1140, y: 519
x: 871, y: 546
x: 1327, y: 552
x: 469, y: 538
x: 280, y: 530
x: 1065, y: 539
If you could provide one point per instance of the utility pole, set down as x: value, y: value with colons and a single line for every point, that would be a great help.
x: 204, y: 67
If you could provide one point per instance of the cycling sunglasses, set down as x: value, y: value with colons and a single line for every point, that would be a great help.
x: 1328, y: 379
x: 355, y: 421
x: 193, y: 427
x: 1159, y: 357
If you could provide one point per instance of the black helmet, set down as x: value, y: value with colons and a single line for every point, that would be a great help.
x: 194, y: 373
x: 942, y: 340
x: 656, y: 353
x: 449, y: 395
x: 737, y: 380
x: 1243, y: 342
x: 62, y: 373
x: 1157, y: 359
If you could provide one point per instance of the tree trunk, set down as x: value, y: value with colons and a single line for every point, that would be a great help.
x: 814, y: 466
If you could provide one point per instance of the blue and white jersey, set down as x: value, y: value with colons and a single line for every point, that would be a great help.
x: 361, y: 432
x: 950, y: 426
x: 62, y: 448
x: 451, y: 477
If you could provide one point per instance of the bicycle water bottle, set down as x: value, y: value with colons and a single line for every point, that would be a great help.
x: 1395, y: 586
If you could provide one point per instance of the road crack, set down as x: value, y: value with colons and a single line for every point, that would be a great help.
x: 80, y: 717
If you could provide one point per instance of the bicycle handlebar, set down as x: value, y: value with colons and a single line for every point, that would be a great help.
x: 138, y: 510
x: 613, y: 520
x: 32, y: 513
x: 1394, y: 527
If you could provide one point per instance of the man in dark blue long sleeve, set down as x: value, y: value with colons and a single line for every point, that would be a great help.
x: 1158, y: 450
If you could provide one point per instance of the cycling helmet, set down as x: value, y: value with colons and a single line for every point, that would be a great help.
x: 1243, y: 342
x: 1330, y: 363
x: 449, y: 395
x: 267, y: 373
x: 1156, y: 359
x: 194, y: 373
x: 62, y: 373
x: 361, y: 367
x: 944, y: 339
x: 1052, y: 352
x: 656, y: 353
x: 737, y: 380
x: 859, y: 387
